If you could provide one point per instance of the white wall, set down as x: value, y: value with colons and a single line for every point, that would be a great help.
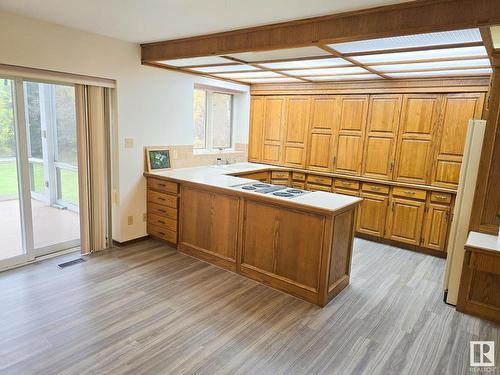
x: 154, y: 105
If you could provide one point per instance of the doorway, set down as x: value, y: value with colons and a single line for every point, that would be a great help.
x: 39, y: 207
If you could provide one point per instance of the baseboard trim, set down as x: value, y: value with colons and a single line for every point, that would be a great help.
x: 401, y: 245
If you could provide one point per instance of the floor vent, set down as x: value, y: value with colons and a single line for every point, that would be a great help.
x: 71, y: 263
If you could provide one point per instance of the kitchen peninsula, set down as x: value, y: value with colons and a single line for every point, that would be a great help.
x: 297, y: 241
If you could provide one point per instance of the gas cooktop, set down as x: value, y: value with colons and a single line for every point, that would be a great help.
x: 276, y: 190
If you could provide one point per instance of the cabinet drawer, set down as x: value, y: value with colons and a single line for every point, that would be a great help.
x: 346, y: 184
x: 321, y: 180
x: 163, y: 222
x: 375, y: 188
x: 158, y: 209
x: 280, y: 174
x: 299, y: 185
x: 259, y: 176
x: 440, y: 197
x: 313, y: 187
x: 162, y: 185
x: 162, y: 233
x: 353, y: 193
x: 298, y: 176
x: 162, y: 198
x: 279, y: 182
x: 409, y: 193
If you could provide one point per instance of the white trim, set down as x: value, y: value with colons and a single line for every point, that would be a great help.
x: 37, y: 259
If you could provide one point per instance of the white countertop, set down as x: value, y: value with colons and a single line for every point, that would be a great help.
x: 217, y: 176
x: 483, y: 241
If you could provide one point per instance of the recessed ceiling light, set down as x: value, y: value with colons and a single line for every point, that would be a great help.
x: 305, y: 64
x: 423, y: 55
x: 280, y: 54
x: 441, y: 73
x: 410, y: 41
x: 194, y: 61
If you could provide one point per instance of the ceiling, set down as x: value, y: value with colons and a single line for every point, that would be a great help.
x: 154, y: 20
x: 455, y: 53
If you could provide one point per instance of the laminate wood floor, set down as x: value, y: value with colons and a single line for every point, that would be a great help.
x: 146, y: 309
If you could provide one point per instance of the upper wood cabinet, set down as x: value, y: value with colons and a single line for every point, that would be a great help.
x: 417, y: 128
x: 381, y: 132
x: 324, y: 119
x: 296, y: 131
x: 349, y: 141
x: 457, y: 110
x: 274, y: 119
x: 257, y: 110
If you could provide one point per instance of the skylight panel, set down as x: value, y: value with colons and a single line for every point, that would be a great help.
x: 305, y: 64
x: 481, y: 63
x: 410, y: 41
x: 478, y: 51
x: 441, y: 73
x: 345, y: 77
x: 225, y: 68
x: 495, y: 36
x: 257, y: 74
x: 327, y: 71
x: 193, y: 61
x: 271, y: 80
x: 280, y: 54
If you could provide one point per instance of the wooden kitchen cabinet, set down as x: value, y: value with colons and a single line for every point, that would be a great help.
x: 296, y: 131
x: 323, y: 124
x: 381, y: 134
x: 436, y: 225
x: 372, y: 214
x: 274, y: 120
x: 257, y: 111
x: 417, y: 129
x: 456, y: 111
x: 349, y: 141
x: 404, y: 221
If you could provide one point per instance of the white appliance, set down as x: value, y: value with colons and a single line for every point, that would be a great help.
x: 463, y: 206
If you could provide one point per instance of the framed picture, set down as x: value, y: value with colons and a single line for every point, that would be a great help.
x: 157, y: 159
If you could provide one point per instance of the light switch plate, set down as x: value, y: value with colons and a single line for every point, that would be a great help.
x: 129, y: 142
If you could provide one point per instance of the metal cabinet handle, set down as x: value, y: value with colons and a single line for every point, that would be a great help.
x: 441, y: 197
x: 409, y: 192
x: 391, y: 166
x: 375, y: 188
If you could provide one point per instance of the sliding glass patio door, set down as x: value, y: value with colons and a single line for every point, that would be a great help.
x: 38, y: 170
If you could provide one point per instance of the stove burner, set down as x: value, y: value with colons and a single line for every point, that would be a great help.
x: 294, y: 191
x: 249, y: 187
x: 261, y: 185
x: 282, y: 194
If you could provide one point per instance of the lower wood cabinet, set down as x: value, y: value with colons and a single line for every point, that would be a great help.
x: 405, y: 220
x: 436, y: 225
x: 372, y: 214
x: 162, y: 197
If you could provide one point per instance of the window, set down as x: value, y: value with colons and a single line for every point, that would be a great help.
x: 213, y: 119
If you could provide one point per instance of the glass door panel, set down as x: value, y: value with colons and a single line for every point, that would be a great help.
x: 10, y: 209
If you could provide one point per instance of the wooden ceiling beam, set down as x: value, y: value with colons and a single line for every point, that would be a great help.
x: 393, y: 20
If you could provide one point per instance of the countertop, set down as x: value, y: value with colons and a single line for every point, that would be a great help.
x: 218, y: 176
x: 483, y: 241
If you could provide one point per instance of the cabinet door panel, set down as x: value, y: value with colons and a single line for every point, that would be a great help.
x: 296, y: 130
x: 324, y: 118
x: 457, y: 110
x: 405, y: 220
x: 372, y: 214
x: 436, y: 225
x: 381, y: 131
x: 349, y: 144
x: 273, y: 129
x: 257, y: 110
x: 417, y: 130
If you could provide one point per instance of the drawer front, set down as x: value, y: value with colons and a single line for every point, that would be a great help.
x: 409, y: 192
x: 440, y: 197
x: 298, y: 176
x: 375, y: 188
x: 313, y: 187
x: 162, y: 198
x: 163, y: 222
x: 162, y: 233
x: 260, y: 176
x: 280, y: 174
x: 299, y: 185
x: 353, y: 193
x: 158, y: 209
x: 320, y: 180
x: 346, y: 184
x: 162, y: 185
x: 279, y: 182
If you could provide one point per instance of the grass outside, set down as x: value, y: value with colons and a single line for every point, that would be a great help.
x: 8, y: 181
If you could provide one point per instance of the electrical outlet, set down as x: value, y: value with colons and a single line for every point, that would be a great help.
x: 144, y: 217
x: 130, y: 220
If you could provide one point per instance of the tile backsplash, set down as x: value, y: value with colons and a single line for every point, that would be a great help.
x: 186, y: 157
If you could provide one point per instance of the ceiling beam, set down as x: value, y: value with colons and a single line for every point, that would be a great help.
x: 393, y: 20
x: 493, y: 54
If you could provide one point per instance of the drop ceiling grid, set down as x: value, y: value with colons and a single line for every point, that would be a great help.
x: 451, y: 53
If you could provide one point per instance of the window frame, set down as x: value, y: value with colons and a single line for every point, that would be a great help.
x: 209, y: 121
